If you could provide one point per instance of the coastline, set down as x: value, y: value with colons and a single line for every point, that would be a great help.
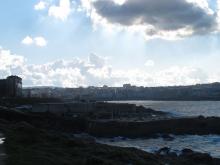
x: 33, y: 138
x: 2, y: 150
x: 28, y: 145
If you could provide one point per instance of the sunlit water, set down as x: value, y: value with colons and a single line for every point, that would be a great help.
x: 206, y: 144
x: 2, y: 153
x: 1, y: 139
x: 182, y: 108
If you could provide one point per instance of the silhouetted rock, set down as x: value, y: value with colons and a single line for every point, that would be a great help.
x: 34, y: 140
x: 180, y: 126
x: 196, y: 156
x: 163, y: 151
x: 167, y: 137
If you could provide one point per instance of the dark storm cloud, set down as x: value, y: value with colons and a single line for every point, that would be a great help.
x: 165, y: 15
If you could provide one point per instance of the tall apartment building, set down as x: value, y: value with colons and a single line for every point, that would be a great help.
x: 11, y: 87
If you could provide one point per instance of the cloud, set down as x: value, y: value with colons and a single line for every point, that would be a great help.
x: 10, y: 63
x: 96, y: 60
x: 62, y: 11
x: 149, y: 63
x: 96, y: 71
x: 170, y: 19
x: 38, y: 41
x: 27, y: 40
x: 40, y: 5
x: 177, y: 75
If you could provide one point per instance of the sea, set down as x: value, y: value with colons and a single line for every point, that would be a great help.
x: 206, y: 144
x: 182, y: 108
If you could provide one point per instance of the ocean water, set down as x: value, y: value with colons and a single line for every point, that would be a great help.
x: 182, y: 108
x: 1, y: 138
x: 205, y: 144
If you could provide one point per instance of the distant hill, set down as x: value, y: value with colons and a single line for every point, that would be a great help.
x: 128, y: 92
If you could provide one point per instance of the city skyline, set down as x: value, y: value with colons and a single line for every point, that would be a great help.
x: 72, y: 43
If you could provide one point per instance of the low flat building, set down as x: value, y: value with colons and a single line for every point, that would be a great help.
x: 11, y: 87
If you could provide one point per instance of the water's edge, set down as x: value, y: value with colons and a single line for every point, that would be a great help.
x: 205, y: 144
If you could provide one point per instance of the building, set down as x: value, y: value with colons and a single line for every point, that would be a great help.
x: 11, y: 87
x: 126, y: 86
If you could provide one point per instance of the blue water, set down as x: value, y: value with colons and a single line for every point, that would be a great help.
x: 206, y: 144
x: 182, y: 108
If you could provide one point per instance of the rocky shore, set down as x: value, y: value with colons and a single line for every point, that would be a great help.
x: 28, y: 145
x: 47, y: 139
x: 2, y: 150
x: 193, y: 126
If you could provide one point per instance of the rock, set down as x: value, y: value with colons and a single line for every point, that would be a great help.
x: 176, y: 126
x: 167, y: 137
x: 196, y: 156
x: 163, y: 151
x: 85, y: 137
x: 186, y: 152
x: 201, y: 157
x: 201, y: 117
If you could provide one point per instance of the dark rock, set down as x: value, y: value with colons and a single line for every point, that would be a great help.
x: 123, y: 138
x: 186, y: 152
x: 85, y: 137
x: 179, y: 126
x: 167, y: 137
x: 196, y: 156
x: 201, y: 157
x: 163, y: 151
x: 201, y: 117
x: 32, y: 140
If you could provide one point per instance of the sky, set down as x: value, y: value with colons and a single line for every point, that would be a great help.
x: 73, y: 43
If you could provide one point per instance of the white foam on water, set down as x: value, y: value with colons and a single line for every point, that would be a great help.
x: 206, y: 144
x: 2, y: 140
